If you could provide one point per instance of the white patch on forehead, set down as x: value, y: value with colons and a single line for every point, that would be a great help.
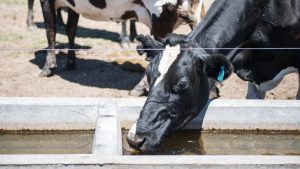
x: 155, y: 6
x: 168, y: 57
x: 132, y: 132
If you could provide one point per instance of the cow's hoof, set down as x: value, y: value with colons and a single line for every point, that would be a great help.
x: 31, y: 27
x: 69, y: 66
x: 214, y: 93
x: 132, y: 37
x: 46, y: 72
x: 125, y: 43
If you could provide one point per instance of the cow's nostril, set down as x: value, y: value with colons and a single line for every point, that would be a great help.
x: 136, y: 143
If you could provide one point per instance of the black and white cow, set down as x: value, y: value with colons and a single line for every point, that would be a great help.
x: 161, y: 16
x: 179, y: 74
x: 124, y: 37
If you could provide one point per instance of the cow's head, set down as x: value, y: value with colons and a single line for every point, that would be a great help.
x: 178, y: 77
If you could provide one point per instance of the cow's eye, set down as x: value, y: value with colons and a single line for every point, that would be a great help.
x: 181, y: 85
x: 162, y: 115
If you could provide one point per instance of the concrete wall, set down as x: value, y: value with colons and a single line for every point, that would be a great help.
x: 48, y: 113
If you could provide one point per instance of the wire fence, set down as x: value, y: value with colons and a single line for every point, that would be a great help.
x: 140, y: 49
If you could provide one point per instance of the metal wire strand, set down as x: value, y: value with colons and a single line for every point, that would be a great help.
x: 131, y: 49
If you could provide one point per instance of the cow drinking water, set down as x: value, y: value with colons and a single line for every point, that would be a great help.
x: 179, y: 89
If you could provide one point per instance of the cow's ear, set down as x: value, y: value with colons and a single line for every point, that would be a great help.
x: 217, y: 67
x: 149, y: 46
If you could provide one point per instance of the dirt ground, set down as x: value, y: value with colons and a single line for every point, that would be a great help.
x: 22, y: 57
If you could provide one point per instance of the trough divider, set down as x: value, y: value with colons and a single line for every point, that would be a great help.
x: 106, y: 133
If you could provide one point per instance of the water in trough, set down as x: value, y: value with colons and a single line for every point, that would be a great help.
x: 79, y: 142
x: 226, y: 143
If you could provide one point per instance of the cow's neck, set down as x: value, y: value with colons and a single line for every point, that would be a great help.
x: 227, y: 24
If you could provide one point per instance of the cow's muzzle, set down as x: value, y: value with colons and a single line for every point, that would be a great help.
x: 136, y: 142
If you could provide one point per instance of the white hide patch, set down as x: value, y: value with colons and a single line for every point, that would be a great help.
x: 168, y: 57
x: 112, y: 12
x: 185, y: 5
x: 269, y: 85
x: 132, y: 132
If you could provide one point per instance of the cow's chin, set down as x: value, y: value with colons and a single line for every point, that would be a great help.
x: 150, y: 142
x: 155, y: 143
x: 151, y: 146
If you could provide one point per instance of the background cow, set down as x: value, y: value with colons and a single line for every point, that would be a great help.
x: 160, y: 16
x: 179, y: 90
x: 124, y: 37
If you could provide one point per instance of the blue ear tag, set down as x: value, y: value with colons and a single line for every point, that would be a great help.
x: 221, y: 74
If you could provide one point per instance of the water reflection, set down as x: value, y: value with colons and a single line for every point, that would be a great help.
x: 208, y: 143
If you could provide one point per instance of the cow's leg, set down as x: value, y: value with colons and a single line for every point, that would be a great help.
x: 141, y: 88
x: 59, y: 19
x: 298, y: 93
x: 30, y: 23
x: 124, y: 38
x: 133, y: 32
x: 48, y: 8
x: 254, y: 93
x: 71, y: 33
x: 271, y: 84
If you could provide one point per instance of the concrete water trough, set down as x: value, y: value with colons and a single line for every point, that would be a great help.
x: 108, y: 116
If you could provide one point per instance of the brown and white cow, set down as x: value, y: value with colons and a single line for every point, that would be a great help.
x: 161, y: 16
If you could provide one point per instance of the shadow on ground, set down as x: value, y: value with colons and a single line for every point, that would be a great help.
x: 87, y: 32
x: 92, y: 72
